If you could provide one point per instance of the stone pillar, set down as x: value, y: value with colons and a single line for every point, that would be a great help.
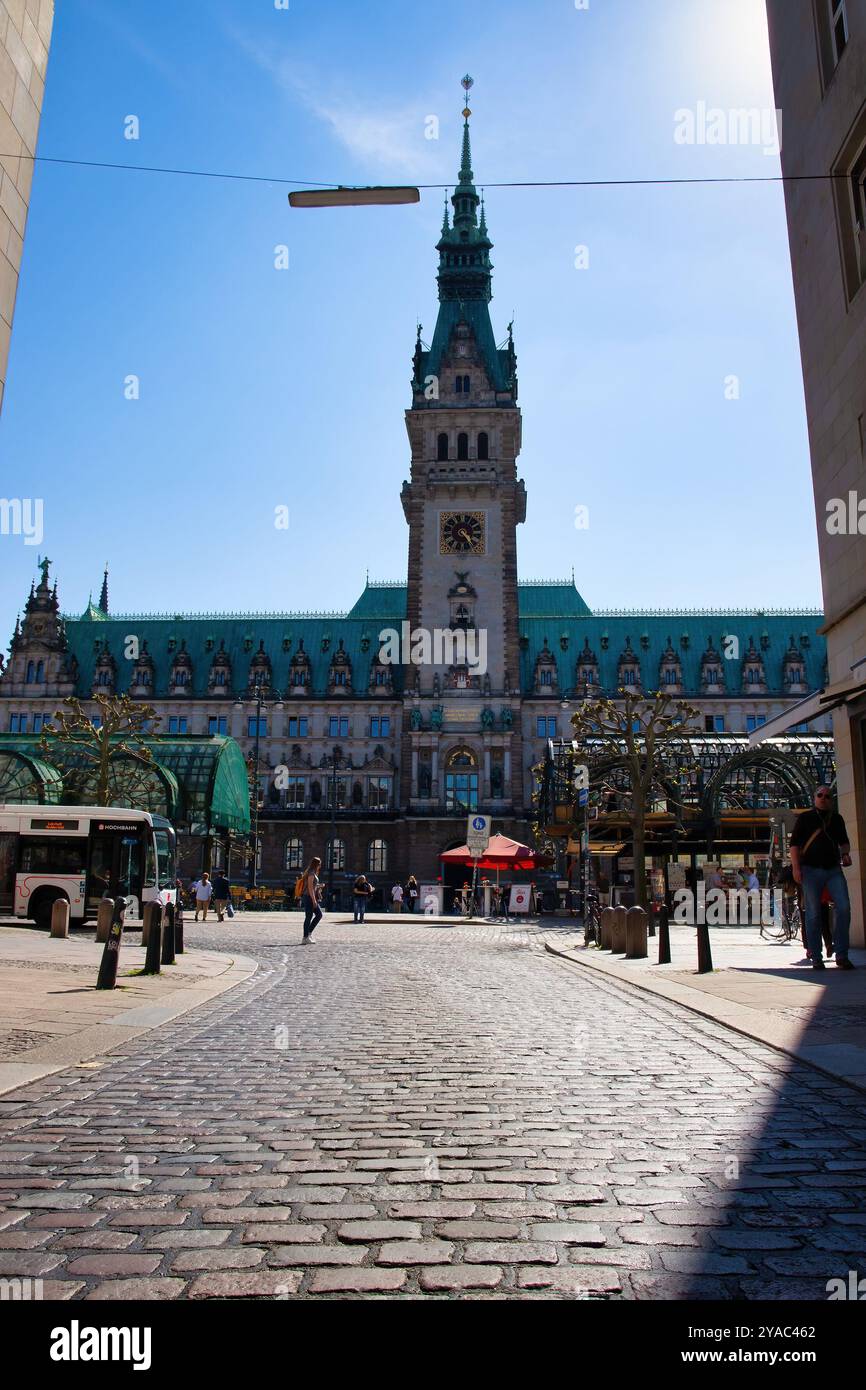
x: 487, y: 776
x: 60, y: 918
x: 435, y: 771
x: 414, y: 788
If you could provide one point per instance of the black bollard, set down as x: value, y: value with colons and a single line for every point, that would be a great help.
x: 705, y: 955
x: 154, y: 940
x: 177, y: 912
x: 168, y: 937
x: 664, y: 938
x: 107, y: 977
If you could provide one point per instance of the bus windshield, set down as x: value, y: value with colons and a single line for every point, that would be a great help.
x: 165, y: 857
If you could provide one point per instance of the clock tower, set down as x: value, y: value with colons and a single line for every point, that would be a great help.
x: 463, y: 499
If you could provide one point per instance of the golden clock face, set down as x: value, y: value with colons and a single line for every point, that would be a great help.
x: 461, y: 533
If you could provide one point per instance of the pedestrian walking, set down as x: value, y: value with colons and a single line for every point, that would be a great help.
x: 412, y: 891
x: 221, y: 894
x: 819, y: 852
x: 203, y: 895
x: 361, y: 890
x: 310, y: 898
x: 397, y: 898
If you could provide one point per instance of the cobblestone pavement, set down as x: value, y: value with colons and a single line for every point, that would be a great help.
x: 417, y: 1111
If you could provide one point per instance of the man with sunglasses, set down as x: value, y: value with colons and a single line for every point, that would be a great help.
x: 819, y: 852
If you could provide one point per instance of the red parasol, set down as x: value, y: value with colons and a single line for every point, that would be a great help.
x: 501, y: 853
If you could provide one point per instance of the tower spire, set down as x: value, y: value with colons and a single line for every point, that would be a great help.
x: 103, y: 597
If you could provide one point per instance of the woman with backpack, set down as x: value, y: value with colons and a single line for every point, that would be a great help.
x: 309, y: 896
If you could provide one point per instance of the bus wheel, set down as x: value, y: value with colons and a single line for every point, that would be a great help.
x: 40, y: 908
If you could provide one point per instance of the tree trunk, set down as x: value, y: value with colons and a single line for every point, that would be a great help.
x: 638, y: 850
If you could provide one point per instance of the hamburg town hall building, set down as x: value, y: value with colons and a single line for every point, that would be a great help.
x: 335, y: 707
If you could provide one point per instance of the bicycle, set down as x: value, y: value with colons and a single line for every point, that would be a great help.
x: 788, y: 926
x: 591, y: 920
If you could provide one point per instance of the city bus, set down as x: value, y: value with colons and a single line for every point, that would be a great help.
x: 82, y: 854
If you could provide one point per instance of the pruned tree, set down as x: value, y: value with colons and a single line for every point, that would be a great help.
x: 109, y: 755
x: 647, y: 736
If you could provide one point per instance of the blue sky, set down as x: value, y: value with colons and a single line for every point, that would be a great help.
x: 262, y: 388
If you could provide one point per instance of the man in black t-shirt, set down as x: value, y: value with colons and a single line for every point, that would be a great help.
x: 819, y: 852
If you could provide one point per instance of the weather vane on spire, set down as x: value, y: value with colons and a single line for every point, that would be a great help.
x: 467, y: 82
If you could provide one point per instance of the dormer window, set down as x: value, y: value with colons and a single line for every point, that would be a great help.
x: 462, y: 385
x: 753, y: 675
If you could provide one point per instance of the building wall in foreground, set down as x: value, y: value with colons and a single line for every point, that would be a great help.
x: 25, y: 35
x: 820, y: 87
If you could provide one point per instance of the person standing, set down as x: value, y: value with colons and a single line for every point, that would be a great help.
x: 819, y: 851
x: 412, y: 891
x: 310, y: 895
x: 361, y: 891
x: 397, y: 897
x: 221, y: 894
x: 203, y: 895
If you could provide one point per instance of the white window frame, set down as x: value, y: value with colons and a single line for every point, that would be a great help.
x: 838, y: 10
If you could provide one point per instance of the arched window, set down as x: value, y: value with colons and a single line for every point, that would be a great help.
x: 463, y: 446
x: 442, y: 448
x: 482, y: 445
x: 672, y: 675
x: 294, y: 854
x: 377, y: 857
x: 40, y: 673
x: 337, y: 849
x: 31, y: 672
x: 466, y: 386
x: 458, y: 386
x: 461, y: 781
x: 545, y: 677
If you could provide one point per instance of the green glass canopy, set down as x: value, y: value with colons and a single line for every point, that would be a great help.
x: 200, y: 784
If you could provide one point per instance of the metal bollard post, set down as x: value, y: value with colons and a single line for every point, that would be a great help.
x: 618, y: 943
x: 60, y: 918
x: 107, y: 977
x: 651, y: 925
x: 168, y: 937
x: 104, y: 915
x: 635, y: 934
x: 606, y: 918
x: 705, y: 955
x: 154, y: 939
x: 176, y: 911
x: 147, y: 914
x: 664, y: 938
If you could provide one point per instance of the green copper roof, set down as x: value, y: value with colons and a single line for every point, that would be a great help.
x: 551, y: 610
x: 465, y: 289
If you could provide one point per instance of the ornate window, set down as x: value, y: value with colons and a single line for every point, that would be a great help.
x: 293, y: 855
x: 461, y: 781
x: 377, y: 857
x: 294, y: 794
x: 483, y: 445
x: 379, y: 793
x: 336, y: 850
x: 463, y: 446
x: 442, y: 448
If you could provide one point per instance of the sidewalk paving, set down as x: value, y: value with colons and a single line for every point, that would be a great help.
x: 757, y: 987
x: 52, y: 1016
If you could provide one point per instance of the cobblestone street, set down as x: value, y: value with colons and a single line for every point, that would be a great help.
x: 428, y: 1111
